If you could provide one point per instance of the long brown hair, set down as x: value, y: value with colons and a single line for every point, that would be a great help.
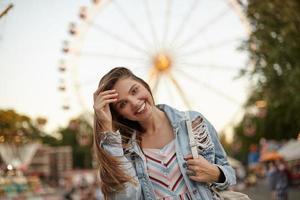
x: 112, y: 175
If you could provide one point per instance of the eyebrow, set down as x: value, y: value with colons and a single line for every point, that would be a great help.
x: 116, y: 104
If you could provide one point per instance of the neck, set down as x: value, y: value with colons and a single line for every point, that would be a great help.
x: 154, y: 123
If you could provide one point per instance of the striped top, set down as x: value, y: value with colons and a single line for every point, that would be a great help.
x: 164, y: 173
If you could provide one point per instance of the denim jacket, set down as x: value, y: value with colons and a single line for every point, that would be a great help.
x: 135, y: 165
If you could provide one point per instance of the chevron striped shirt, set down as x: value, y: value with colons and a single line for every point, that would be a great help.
x: 164, y: 173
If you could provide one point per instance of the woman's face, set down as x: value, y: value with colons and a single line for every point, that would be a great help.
x: 134, y: 100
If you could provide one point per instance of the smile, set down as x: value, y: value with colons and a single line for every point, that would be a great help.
x: 141, y: 109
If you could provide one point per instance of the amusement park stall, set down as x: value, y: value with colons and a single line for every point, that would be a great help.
x: 291, y: 154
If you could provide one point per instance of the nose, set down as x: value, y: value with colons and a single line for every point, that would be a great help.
x: 134, y: 102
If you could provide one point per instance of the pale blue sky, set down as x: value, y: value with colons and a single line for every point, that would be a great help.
x: 30, y: 50
x: 30, y: 47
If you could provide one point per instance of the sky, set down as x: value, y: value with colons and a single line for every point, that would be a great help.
x: 31, y: 37
x: 30, y: 48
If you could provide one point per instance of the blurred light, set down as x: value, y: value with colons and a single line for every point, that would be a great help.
x: 162, y: 62
x: 261, y: 104
x: 2, y: 139
x: 9, y: 167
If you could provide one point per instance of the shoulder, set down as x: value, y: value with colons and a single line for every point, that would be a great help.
x: 176, y: 116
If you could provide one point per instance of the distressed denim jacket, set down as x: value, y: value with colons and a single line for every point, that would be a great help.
x: 208, y: 146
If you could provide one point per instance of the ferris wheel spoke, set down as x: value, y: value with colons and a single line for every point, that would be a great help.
x: 130, y: 22
x: 185, y: 21
x: 167, y: 21
x: 119, y: 39
x: 203, y: 28
x: 179, y: 90
x: 120, y: 57
x: 157, y: 79
x: 5, y: 11
x: 153, y: 80
x: 152, y: 74
x: 151, y: 24
x: 169, y: 85
x: 210, y: 47
x: 210, y: 66
x: 207, y: 86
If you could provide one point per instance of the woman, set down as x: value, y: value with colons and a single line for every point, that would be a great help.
x: 143, y: 148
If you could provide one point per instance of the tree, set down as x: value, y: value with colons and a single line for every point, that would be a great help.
x: 79, y: 135
x: 274, y: 49
x: 17, y: 128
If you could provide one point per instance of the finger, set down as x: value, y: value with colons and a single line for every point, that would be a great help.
x: 191, y: 173
x: 96, y: 94
x: 195, y: 178
x: 110, y: 96
x: 193, y: 162
x: 107, y: 92
x: 99, y: 89
x: 193, y: 168
x: 189, y: 156
x: 103, y: 93
x: 103, y: 103
x: 108, y: 101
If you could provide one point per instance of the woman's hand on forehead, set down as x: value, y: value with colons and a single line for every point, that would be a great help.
x: 102, y: 99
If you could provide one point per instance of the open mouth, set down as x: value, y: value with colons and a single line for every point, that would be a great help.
x: 141, y: 108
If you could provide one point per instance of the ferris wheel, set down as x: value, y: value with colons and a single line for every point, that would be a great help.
x: 186, y: 50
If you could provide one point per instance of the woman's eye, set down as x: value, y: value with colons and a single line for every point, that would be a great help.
x: 135, y: 90
x: 122, y: 104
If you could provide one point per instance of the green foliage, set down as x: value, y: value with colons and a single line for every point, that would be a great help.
x: 17, y: 128
x: 274, y: 48
x: 83, y: 157
x: 245, y: 140
x: 50, y: 140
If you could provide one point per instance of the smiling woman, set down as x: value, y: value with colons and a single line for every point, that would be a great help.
x: 143, y: 148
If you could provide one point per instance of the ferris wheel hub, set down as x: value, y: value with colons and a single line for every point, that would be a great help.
x: 162, y: 62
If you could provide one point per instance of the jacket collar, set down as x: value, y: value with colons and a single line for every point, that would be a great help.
x: 175, y: 116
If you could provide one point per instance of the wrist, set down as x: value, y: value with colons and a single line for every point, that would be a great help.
x: 221, y: 176
x: 105, y: 127
x: 105, y: 132
x: 216, y: 173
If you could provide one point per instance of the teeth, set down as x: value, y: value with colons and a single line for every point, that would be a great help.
x: 142, y: 108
